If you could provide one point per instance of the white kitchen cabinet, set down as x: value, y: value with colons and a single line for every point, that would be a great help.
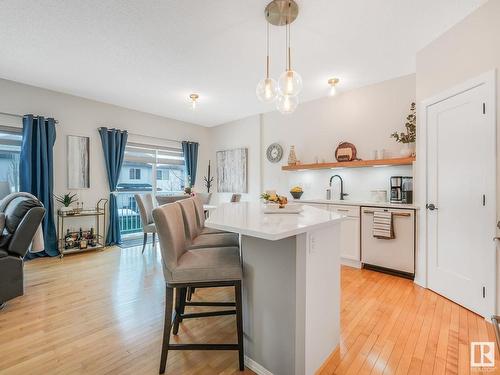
x: 317, y: 205
x: 350, y: 235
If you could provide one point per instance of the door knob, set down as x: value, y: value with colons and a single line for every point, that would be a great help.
x: 431, y: 207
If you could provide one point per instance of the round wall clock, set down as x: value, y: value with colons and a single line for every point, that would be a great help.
x: 274, y: 152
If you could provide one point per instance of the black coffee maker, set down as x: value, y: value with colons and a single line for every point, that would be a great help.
x: 402, y: 189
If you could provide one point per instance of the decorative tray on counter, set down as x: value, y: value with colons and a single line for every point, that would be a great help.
x: 288, y: 209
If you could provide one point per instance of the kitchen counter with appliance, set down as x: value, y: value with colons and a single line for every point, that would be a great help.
x: 290, y: 263
x: 348, y: 202
x: 359, y: 245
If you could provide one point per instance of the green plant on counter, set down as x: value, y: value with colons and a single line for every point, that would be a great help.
x: 66, y: 199
x: 265, y: 196
x: 411, y: 128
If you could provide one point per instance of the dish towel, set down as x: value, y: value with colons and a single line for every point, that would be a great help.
x: 382, y: 225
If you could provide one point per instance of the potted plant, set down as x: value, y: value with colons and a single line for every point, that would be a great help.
x: 408, y: 138
x: 66, y: 200
x: 188, y: 189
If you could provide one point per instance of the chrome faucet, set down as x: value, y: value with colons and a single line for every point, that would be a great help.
x: 329, y: 191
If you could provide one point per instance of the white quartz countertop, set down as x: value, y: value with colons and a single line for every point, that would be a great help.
x: 248, y: 218
x: 348, y: 202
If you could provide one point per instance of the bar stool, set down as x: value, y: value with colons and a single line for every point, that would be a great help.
x: 182, y: 268
x: 200, y: 214
x: 194, y: 237
x: 145, y: 205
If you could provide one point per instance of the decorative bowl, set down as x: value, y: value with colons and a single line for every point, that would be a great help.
x: 296, y: 194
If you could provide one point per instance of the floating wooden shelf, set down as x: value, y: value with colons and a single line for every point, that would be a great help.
x: 350, y: 164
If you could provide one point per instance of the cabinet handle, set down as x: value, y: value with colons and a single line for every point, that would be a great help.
x: 404, y: 214
x: 342, y: 210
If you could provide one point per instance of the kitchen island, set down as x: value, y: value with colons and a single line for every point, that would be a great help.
x: 291, y: 285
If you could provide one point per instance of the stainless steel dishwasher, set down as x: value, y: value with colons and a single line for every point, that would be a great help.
x: 395, y: 255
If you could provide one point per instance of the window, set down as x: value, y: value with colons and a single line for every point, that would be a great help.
x: 135, y: 174
x: 147, y: 168
x: 152, y: 168
x: 10, y: 149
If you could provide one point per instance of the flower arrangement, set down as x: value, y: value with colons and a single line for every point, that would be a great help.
x: 275, y: 198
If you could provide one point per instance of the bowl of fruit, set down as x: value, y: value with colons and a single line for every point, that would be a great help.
x: 296, y: 192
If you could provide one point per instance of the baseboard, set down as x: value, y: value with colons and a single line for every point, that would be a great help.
x: 256, y: 367
x: 350, y: 262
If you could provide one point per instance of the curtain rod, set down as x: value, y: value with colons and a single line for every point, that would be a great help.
x: 21, y: 116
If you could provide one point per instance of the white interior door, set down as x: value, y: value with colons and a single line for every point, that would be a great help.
x: 461, y: 174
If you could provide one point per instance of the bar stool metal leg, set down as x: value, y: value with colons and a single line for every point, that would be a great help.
x: 169, y: 296
x: 239, y: 324
x: 145, y: 240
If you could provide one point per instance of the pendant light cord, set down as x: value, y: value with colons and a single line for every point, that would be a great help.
x: 267, y: 46
x: 289, y: 55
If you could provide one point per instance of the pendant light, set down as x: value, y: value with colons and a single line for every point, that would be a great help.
x: 290, y: 82
x: 287, y: 104
x: 267, y: 88
x: 281, y: 13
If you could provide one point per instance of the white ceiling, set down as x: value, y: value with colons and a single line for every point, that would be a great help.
x: 150, y: 55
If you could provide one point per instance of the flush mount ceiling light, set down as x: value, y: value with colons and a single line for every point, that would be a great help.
x: 193, y: 98
x: 281, y: 13
x: 333, y: 82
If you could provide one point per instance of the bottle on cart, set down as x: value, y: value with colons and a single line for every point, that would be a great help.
x: 92, y: 240
x: 67, y: 239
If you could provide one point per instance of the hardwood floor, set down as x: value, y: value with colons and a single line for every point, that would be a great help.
x: 102, y: 313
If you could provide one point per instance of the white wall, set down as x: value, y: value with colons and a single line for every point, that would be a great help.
x: 365, y: 117
x: 467, y: 50
x: 358, y: 182
x: 244, y: 133
x: 79, y: 116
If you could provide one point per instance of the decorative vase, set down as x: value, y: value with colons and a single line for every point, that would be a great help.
x: 65, y: 209
x: 407, y: 150
x: 292, y: 157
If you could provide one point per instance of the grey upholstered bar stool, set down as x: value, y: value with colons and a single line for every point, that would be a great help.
x: 200, y: 215
x: 166, y: 199
x: 193, y: 234
x: 145, y: 205
x: 201, y: 230
x: 182, y: 268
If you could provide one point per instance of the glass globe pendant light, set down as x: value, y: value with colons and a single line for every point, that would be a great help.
x: 267, y: 88
x: 287, y: 104
x: 290, y: 82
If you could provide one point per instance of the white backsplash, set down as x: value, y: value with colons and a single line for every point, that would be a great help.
x: 358, y: 182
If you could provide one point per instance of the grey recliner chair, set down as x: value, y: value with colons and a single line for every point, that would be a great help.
x: 19, y: 221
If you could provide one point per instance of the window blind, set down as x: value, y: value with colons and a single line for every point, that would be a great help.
x: 141, y: 153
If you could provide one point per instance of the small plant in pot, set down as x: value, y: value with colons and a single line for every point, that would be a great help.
x: 408, y: 137
x: 66, y: 200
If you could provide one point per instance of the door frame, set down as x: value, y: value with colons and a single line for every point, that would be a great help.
x: 489, y: 80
